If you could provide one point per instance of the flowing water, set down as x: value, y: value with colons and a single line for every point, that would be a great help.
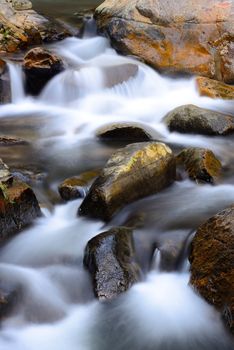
x: 57, y: 309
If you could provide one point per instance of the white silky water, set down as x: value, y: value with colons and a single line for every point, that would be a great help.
x: 57, y: 309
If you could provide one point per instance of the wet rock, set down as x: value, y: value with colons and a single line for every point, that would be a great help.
x: 200, y: 164
x: 212, y: 263
x: 133, y: 172
x: 18, y: 208
x: 173, y: 36
x: 21, y: 26
x: 12, y: 141
x: 40, y: 66
x: 8, y: 300
x: 191, y: 119
x: 77, y: 186
x: 5, y: 175
x: 134, y: 132
x: 5, y: 86
x: 118, y: 74
x: 29, y: 173
x: 214, y: 89
x: 110, y: 259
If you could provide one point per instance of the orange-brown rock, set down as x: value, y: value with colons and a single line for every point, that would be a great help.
x: 200, y: 164
x: 40, y: 65
x: 189, y: 36
x: 214, y: 89
x: 132, y: 172
x: 212, y: 263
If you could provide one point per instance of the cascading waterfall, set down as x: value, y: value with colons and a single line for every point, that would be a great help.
x: 57, y: 308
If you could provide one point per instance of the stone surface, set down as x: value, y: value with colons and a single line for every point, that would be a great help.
x: 77, y: 186
x: 214, y: 89
x: 200, y: 164
x: 5, y: 88
x: 21, y: 26
x: 8, y: 299
x: 11, y: 141
x: 110, y: 259
x: 191, y: 119
x: 212, y: 263
x: 39, y: 66
x: 134, y: 132
x: 18, y: 208
x: 133, y: 172
x: 189, y: 36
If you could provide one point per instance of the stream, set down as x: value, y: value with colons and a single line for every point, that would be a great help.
x: 57, y: 310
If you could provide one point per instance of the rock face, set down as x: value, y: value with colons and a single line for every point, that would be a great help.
x: 189, y: 36
x: 5, y: 88
x: 200, y: 164
x: 77, y: 186
x: 214, y: 89
x: 40, y: 66
x: 21, y: 26
x: 110, y: 259
x: 133, y: 172
x: 18, y: 205
x: 191, y: 119
x: 212, y: 263
x: 135, y: 132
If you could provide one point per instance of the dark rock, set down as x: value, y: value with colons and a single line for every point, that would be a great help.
x: 110, y: 260
x: 133, y: 172
x: 212, y: 263
x: 195, y: 120
x: 193, y: 36
x: 214, y: 89
x: 5, y: 86
x: 8, y: 300
x: 200, y: 164
x: 18, y: 208
x: 40, y: 66
x: 12, y: 141
x: 134, y: 132
x: 77, y: 186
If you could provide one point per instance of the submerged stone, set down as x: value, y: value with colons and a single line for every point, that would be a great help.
x: 110, y: 259
x: 133, y: 172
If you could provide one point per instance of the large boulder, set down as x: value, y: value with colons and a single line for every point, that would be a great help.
x: 39, y: 66
x: 189, y: 36
x: 200, y: 164
x: 190, y: 119
x: 21, y: 26
x: 18, y: 204
x: 214, y: 89
x: 212, y: 263
x: 110, y: 258
x: 133, y: 172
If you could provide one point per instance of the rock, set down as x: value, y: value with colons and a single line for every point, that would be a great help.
x: 191, y: 119
x: 194, y: 37
x: 110, y: 259
x: 39, y: 67
x: 5, y: 175
x: 212, y: 263
x: 77, y: 186
x: 134, y: 132
x: 5, y: 86
x: 118, y: 74
x: 133, y: 172
x: 12, y: 141
x: 200, y: 164
x: 18, y: 208
x: 214, y: 89
x: 21, y: 26
x: 8, y: 299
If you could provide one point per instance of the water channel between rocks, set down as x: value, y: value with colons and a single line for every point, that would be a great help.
x: 58, y: 310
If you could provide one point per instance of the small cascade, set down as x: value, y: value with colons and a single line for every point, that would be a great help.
x: 17, y: 82
x: 156, y: 260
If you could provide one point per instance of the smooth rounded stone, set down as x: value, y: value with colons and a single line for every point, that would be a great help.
x: 18, y: 208
x: 9, y: 297
x: 214, y: 89
x: 134, y: 132
x: 110, y: 259
x: 133, y: 172
x: 190, y: 119
x: 77, y: 186
x: 21, y: 26
x: 39, y: 67
x: 200, y: 164
x: 183, y: 36
x: 212, y: 263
